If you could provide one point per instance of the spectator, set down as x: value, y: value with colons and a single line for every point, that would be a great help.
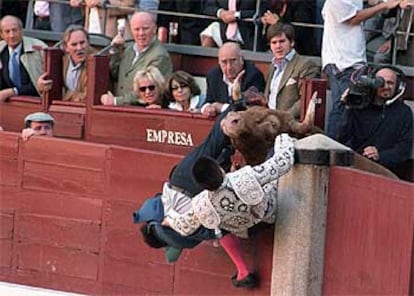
x: 102, y: 20
x: 220, y: 79
x: 378, y: 30
x: 382, y: 131
x: 21, y: 58
x: 405, y: 45
x: 149, y: 89
x: 343, y: 48
x: 62, y: 15
x: 302, y: 11
x: 38, y: 124
x: 232, y: 27
x: 41, y: 11
x: 76, y: 46
x: 184, y: 92
x: 287, y: 70
x: 145, y: 51
x: 189, y: 28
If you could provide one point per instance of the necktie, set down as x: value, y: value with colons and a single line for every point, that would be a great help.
x: 14, y: 69
x: 232, y: 27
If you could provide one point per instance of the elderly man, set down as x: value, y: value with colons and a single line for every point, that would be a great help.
x: 287, y: 70
x: 76, y: 46
x: 38, y: 124
x: 221, y: 79
x: 382, y: 131
x: 145, y: 51
x: 21, y: 61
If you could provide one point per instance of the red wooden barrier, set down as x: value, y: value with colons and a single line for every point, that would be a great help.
x: 66, y: 213
x: 13, y: 112
x: 369, y: 242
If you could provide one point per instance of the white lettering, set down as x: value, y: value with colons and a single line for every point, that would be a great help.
x: 169, y: 137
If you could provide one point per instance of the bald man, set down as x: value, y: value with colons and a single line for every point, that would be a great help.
x: 382, y: 131
x: 220, y: 80
x: 127, y: 60
x: 21, y: 61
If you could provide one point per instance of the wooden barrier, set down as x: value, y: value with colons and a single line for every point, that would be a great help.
x: 66, y: 223
x: 13, y: 112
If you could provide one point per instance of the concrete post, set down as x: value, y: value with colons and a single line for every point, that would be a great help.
x: 300, y: 227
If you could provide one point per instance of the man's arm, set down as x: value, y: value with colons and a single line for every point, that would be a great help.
x: 369, y: 12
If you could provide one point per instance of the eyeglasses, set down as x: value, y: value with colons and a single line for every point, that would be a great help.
x: 144, y: 88
x: 181, y: 86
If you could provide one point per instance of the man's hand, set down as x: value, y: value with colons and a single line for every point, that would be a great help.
x: 407, y: 4
x: 6, y: 93
x: 385, y: 47
x: 209, y: 110
x: 43, y: 83
x: 236, y: 92
x: 165, y: 222
x: 27, y: 133
x: 118, y: 41
x: 371, y: 152
x: 93, y: 3
x: 269, y: 18
x: 390, y: 4
x: 76, y: 3
x: 227, y: 16
x: 108, y: 99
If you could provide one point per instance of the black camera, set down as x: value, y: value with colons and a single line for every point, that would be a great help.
x: 362, y: 88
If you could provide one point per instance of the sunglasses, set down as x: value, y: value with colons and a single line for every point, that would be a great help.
x: 175, y: 87
x: 144, y: 88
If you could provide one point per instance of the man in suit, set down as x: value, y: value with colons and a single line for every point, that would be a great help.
x: 221, y: 79
x: 232, y: 26
x: 145, y: 51
x: 77, y: 48
x: 21, y: 61
x: 287, y: 70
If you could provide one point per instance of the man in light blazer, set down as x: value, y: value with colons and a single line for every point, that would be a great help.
x: 287, y: 70
x: 125, y: 62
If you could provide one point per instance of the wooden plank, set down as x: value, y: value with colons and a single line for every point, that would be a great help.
x: 369, y: 235
x: 158, y: 130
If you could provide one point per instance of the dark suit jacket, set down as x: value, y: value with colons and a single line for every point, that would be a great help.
x: 217, y: 89
x: 288, y: 94
x: 189, y: 28
x: 27, y: 88
x: 247, y: 9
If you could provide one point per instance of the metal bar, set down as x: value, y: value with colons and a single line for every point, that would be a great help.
x: 256, y: 25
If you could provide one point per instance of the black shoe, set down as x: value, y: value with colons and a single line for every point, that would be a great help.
x: 250, y: 281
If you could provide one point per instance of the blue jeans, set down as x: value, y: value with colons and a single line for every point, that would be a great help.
x: 339, y: 82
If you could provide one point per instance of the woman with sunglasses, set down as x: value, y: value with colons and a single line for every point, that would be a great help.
x: 149, y: 87
x: 184, y: 92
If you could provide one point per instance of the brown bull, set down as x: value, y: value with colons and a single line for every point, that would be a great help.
x: 253, y: 132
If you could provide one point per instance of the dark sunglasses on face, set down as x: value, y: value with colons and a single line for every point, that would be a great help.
x: 144, y: 88
x: 182, y: 85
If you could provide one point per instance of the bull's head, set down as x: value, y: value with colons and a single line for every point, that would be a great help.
x: 254, y: 130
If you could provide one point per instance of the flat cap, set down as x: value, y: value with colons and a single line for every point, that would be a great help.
x: 38, y: 117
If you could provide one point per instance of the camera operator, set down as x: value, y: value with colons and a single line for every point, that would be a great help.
x: 382, y: 129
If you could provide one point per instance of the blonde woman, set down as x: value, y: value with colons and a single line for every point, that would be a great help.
x: 184, y: 93
x: 149, y: 86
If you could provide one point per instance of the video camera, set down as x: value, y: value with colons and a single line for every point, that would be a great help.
x: 364, y: 84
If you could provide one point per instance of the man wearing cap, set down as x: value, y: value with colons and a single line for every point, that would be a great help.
x: 38, y: 124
